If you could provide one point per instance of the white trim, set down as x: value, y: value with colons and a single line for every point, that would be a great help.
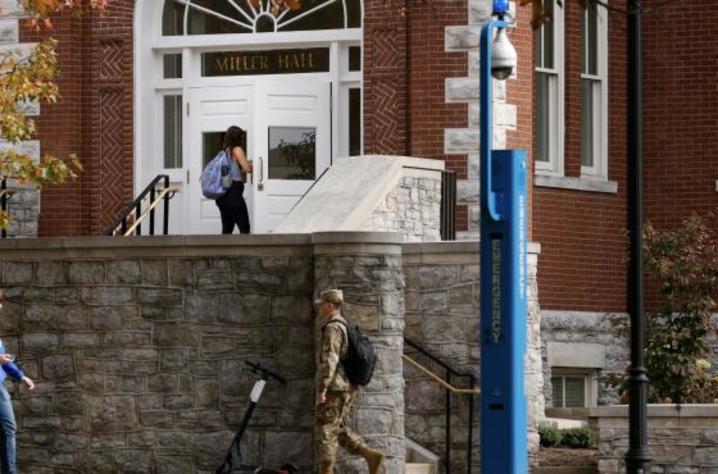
x: 240, y: 40
x: 599, y: 94
x: 556, y: 126
x: 576, y: 184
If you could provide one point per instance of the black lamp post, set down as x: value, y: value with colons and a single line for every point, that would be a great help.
x: 637, y: 457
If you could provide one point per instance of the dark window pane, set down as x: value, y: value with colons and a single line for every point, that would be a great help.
x: 353, y: 13
x: 542, y: 116
x: 548, y: 37
x: 354, y: 122
x: 212, y: 17
x: 575, y: 392
x: 326, y: 15
x: 557, y: 391
x: 172, y: 66
x: 292, y: 153
x: 211, y: 145
x: 172, y: 18
x: 354, y: 58
x: 587, y: 139
x: 172, y: 131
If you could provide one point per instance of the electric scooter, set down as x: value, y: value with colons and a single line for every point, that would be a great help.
x: 233, y: 462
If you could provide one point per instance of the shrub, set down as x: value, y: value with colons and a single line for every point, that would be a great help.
x: 549, y: 436
x: 578, y: 438
x: 574, y: 438
x: 684, y: 264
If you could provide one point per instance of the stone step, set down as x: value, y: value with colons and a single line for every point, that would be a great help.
x: 566, y: 470
x: 419, y: 468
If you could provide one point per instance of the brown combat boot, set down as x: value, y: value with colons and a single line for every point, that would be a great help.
x: 374, y: 458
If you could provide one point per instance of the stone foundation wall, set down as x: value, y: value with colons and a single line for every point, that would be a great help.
x: 681, y: 439
x: 442, y: 314
x: 413, y: 209
x: 138, y: 345
x: 583, y: 328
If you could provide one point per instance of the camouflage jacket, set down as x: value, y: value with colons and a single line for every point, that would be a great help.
x: 332, y: 348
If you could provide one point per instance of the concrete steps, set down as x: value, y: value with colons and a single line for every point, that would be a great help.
x: 419, y: 468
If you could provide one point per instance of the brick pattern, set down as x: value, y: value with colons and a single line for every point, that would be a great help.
x: 111, y: 166
x: 582, y: 234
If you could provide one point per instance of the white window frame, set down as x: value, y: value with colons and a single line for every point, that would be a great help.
x: 590, y: 382
x: 599, y: 85
x: 555, y: 164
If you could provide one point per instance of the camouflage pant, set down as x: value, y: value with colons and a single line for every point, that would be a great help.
x: 330, y: 429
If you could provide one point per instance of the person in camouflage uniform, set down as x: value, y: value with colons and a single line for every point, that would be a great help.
x: 335, y: 394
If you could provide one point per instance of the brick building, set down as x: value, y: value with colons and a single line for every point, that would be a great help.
x: 148, y: 86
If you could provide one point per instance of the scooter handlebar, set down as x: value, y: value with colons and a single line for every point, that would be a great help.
x: 265, y: 373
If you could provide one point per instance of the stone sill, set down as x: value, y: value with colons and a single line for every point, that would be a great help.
x: 188, y: 245
x: 690, y: 410
x: 576, y: 184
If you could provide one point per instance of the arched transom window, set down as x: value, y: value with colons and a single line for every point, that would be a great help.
x: 202, y: 17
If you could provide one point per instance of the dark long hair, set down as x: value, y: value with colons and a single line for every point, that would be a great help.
x: 234, y: 137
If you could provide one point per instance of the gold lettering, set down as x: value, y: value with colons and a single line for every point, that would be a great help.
x: 283, y: 60
x: 221, y: 64
x: 296, y: 61
x: 256, y: 62
x: 311, y: 60
x: 265, y: 63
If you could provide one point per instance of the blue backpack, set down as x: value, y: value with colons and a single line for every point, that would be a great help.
x: 211, y: 178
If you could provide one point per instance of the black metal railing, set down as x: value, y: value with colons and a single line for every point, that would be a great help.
x: 448, y: 373
x: 448, y: 205
x: 133, y: 212
x: 5, y: 196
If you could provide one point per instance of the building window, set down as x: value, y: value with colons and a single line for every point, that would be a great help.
x: 548, y: 91
x: 211, y: 17
x: 573, y: 388
x: 172, y: 109
x: 594, y: 102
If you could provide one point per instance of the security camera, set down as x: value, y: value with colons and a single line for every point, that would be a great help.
x: 503, y: 56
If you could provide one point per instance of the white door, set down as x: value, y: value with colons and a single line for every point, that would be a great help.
x: 291, y: 145
x: 212, y: 110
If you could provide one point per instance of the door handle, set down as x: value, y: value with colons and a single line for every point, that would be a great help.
x: 260, y: 183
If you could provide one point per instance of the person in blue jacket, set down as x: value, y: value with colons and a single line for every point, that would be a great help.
x: 7, y: 416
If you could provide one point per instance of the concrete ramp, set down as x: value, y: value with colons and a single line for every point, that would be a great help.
x: 372, y: 192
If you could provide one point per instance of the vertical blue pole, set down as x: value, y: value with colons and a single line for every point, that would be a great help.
x: 503, y: 291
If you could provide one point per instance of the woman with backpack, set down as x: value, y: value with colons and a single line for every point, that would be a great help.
x: 232, y: 207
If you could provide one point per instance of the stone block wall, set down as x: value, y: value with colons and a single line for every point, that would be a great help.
x: 412, y: 208
x: 138, y: 345
x: 577, y: 327
x: 442, y: 315
x: 682, y: 439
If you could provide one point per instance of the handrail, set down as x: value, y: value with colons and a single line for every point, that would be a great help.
x: 437, y: 379
x: 450, y: 389
x: 135, y: 208
x: 434, y: 358
x: 151, y: 208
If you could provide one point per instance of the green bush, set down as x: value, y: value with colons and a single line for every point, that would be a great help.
x: 578, y: 438
x: 549, y: 436
x: 575, y: 438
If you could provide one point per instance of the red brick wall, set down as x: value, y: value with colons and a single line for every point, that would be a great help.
x: 93, y: 119
x: 519, y: 92
x: 681, y: 112
x: 582, y: 234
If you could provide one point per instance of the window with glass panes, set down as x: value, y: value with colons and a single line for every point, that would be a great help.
x: 593, y: 93
x: 548, y: 90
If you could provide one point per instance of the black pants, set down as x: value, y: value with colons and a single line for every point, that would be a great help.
x: 233, y: 209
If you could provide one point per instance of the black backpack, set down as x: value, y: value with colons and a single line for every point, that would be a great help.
x: 360, y: 360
